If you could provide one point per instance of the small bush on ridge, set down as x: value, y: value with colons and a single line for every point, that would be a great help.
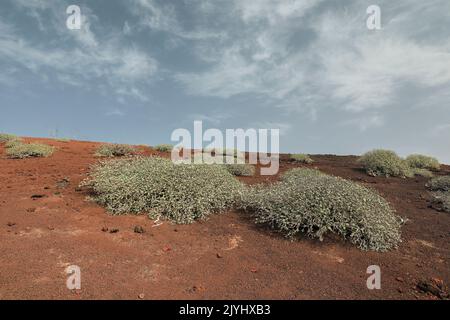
x: 164, y: 147
x: 385, y: 163
x: 181, y: 193
x: 4, y: 137
x: 246, y: 170
x: 423, y: 162
x: 24, y: 150
x: 314, y: 203
x: 441, y: 200
x: 301, y: 158
x: 439, y: 184
x: 13, y: 142
x: 115, y: 150
x: 422, y: 172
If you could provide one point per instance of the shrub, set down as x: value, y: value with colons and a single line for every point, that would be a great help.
x: 300, y: 173
x: 115, y: 150
x: 422, y: 172
x: 22, y: 150
x: 181, y: 193
x: 4, y: 137
x: 439, y: 184
x: 423, y: 162
x: 164, y: 147
x: 13, y: 142
x: 301, y: 158
x: 316, y: 203
x: 441, y: 200
x: 385, y: 163
x: 246, y: 170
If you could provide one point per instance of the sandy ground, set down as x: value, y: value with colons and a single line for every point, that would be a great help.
x: 46, y: 224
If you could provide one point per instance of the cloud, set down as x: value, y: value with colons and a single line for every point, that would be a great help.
x: 365, y: 122
x: 305, y: 55
x: 81, y: 58
x: 116, y: 113
x: 163, y: 17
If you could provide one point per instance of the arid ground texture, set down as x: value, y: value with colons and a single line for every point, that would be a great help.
x: 47, y: 224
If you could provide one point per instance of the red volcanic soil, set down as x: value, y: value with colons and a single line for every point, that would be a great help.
x: 47, y: 224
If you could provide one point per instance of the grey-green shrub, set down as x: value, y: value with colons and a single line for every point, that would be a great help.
x: 385, y: 163
x: 4, y: 137
x: 314, y: 203
x: 180, y: 193
x: 300, y: 173
x: 422, y: 172
x: 439, y: 184
x: 423, y: 162
x: 245, y: 170
x: 301, y: 158
x: 115, y: 150
x: 164, y: 147
x: 25, y: 150
x: 13, y: 142
x: 441, y: 200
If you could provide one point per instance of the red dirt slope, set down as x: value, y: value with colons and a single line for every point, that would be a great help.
x: 226, y: 257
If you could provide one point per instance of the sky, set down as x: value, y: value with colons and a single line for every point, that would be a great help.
x: 139, y: 69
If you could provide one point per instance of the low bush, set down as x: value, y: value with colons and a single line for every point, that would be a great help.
x: 115, y: 150
x: 422, y: 172
x: 13, y: 142
x: 24, y: 150
x: 439, y: 184
x: 246, y: 170
x: 441, y: 200
x: 385, y: 163
x: 181, y: 193
x: 301, y: 158
x: 164, y: 148
x: 310, y: 202
x: 423, y: 162
x: 4, y: 137
x: 300, y: 173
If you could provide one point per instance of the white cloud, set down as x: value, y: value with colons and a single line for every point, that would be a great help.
x: 159, y: 17
x: 338, y: 62
x: 80, y: 59
x: 365, y: 122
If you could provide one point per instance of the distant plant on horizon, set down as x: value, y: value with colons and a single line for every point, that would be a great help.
x: 5, y: 137
x: 422, y: 173
x: 423, y: 162
x: 115, y: 150
x: 164, y: 147
x: 29, y: 150
x: 13, y: 142
x: 385, y: 163
x: 301, y: 158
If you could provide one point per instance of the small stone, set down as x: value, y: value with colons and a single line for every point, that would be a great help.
x: 51, y: 228
x: 11, y: 224
x: 399, y: 279
x: 37, y: 196
x: 31, y: 210
x: 218, y: 255
x: 139, y: 229
x: 141, y: 296
x: 105, y: 229
x: 115, y: 230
